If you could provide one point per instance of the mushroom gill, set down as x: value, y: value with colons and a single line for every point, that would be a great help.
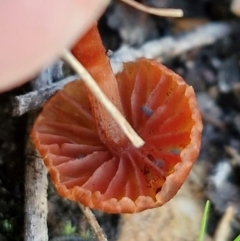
x: 105, y: 171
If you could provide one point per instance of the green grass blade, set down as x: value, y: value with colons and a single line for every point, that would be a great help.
x: 237, y: 238
x: 204, y: 221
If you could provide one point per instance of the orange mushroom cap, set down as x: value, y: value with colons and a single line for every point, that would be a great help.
x: 162, y: 109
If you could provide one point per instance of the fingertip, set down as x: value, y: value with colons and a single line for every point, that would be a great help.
x: 35, y: 31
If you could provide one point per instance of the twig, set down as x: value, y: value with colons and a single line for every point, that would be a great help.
x: 172, y: 46
x: 93, y: 222
x: 224, y: 230
x: 163, y: 49
x: 35, y: 197
x: 234, y: 154
x: 163, y: 12
x: 136, y: 140
x: 37, y: 98
x: 218, y: 123
x: 235, y: 7
x: 35, y: 184
x: 50, y: 74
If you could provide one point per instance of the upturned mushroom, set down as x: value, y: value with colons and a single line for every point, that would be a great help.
x: 89, y: 158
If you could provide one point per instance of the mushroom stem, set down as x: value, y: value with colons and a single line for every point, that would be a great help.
x: 136, y: 140
x: 90, y: 52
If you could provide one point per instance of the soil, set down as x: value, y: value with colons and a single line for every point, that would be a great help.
x: 214, y: 73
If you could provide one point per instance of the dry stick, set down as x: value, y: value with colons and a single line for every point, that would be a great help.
x: 163, y: 12
x: 35, y: 187
x: 36, y: 173
x: 136, y: 140
x: 172, y: 46
x: 93, y: 222
x: 35, y: 196
x: 218, y: 123
x: 34, y: 99
x: 163, y: 49
x: 224, y: 229
x: 235, y: 161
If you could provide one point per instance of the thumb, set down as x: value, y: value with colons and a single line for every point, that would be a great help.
x: 33, y: 33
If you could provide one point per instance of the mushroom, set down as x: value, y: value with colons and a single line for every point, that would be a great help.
x: 89, y: 158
